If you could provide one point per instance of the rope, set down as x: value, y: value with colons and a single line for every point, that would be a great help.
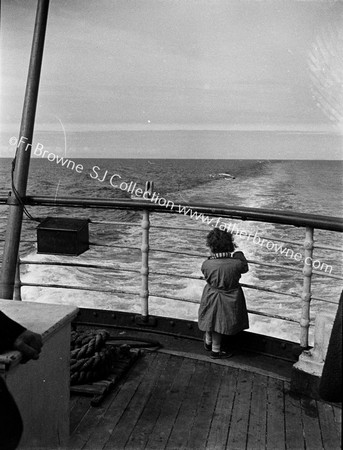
x: 17, y: 195
x: 140, y: 343
x: 90, y: 359
x: 94, y: 353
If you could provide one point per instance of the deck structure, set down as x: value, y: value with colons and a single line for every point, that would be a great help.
x: 170, y: 401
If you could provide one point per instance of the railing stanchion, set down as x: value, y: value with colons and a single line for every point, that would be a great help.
x: 306, y: 294
x: 145, y: 265
x: 145, y: 256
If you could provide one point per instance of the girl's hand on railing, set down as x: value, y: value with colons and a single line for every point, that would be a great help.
x: 240, y: 255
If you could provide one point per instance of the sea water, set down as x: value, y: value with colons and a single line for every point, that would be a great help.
x: 307, y: 186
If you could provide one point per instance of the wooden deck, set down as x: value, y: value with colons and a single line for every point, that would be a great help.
x: 172, y: 402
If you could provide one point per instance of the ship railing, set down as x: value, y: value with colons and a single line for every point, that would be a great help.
x: 307, y: 221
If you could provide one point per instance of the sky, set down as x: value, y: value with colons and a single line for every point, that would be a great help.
x: 228, y: 65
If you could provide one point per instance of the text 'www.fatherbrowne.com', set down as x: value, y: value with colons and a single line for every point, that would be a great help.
x: 255, y: 238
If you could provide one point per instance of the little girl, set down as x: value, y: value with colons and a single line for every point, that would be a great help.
x: 222, y: 307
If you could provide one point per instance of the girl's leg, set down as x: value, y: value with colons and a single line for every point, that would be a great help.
x: 208, y: 341
x: 208, y: 337
x: 216, y: 352
x: 216, y: 341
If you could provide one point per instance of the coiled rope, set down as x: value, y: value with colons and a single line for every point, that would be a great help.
x: 90, y: 358
x: 94, y: 353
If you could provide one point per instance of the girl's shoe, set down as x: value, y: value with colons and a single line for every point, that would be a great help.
x: 220, y: 355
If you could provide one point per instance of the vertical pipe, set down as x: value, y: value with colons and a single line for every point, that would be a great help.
x: 17, y: 283
x: 22, y: 159
x: 306, y: 294
x: 144, y: 294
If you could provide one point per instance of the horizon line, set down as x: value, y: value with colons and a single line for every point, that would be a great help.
x: 310, y: 128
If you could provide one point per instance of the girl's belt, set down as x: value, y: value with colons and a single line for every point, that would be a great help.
x: 224, y: 291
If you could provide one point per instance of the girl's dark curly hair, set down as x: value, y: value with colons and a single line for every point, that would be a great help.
x: 220, y: 241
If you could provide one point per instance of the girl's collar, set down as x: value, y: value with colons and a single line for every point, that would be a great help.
x: 220, y: 255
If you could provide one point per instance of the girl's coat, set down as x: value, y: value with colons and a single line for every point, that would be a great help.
x: 222, y: 307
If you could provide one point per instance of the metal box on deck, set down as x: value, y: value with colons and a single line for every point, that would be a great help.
x: 62, y: 236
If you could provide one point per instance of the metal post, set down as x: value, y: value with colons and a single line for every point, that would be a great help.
x: 22, y: 160
x: 145, y: 256
x: 145, y: 265
x: 306, y: 294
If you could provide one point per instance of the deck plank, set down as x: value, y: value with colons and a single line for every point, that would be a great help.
x: 258, y: 414
x: 240, y: 416
x: 202, y: 423
x: 160, y: 433
x: 73, y: 401
x: 337, y: 412
x: 219, y: 429
x: 275, y: 415
x: 134, y: 408
x: 179, y: 435
x: 78, y: 409
x: 95, y: 430
x: 141, y: 432
x: 293, y: 422
x: 88, y: 424
x: 328, y: 427
x: 311, y: 424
